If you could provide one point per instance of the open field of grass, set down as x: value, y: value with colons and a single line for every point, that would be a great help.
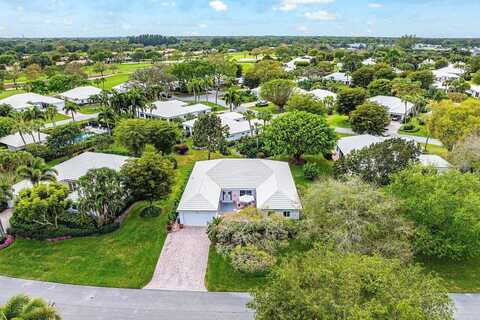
x: 122, y: 68
x: 338, y: 121
x: 61, y: 116
x: 112, y: 81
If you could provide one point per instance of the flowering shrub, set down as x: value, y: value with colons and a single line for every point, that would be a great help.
x: 9, y: 240
x: 250, y: 259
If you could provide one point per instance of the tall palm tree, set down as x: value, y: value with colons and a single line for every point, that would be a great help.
x: 21, y: 126
x: 72, y: 108
x: 22, y: 307
x: 137, y: 101
x: 194, y: 86
x: 207, y: 84
x: 37, y: 172
x: 106, y: 116
x: 329, y: 103
x: 50, y: 114
x: 232, y: 98
x: 249, y: 116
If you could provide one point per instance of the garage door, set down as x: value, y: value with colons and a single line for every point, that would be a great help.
x: 196, y: 219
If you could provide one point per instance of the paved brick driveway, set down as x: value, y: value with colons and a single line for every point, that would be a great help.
x: 183, y: 261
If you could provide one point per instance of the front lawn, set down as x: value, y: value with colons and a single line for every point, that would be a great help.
x: 60, y: 117
x: 8, y: 93
x: 271, y: 107
x: 414, y: 128
x: 89, y: 109
x: 459, y: 276
x: 125, y: 258
x: 338, y: 121
x: 112, y: 81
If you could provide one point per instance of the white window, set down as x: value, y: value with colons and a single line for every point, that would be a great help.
x: 286, y: 214
x: 245, y: 192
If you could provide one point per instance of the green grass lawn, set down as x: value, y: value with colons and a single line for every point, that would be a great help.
x: 112, y: 81
x: 458, y: 276
x: 61, y: 116
x: 122, y: 68
x: 8, y: 93
x: 419, y: 131
x: 271, y: 107
x: 215, y: 107
x: 438, y: 150
x: 125, y: 258
x: 338, y: 121
x: 90, y: 109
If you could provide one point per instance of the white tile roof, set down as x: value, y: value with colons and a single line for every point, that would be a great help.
x: 433, y: 160
x: 174, y: 108
x: 77, y: 167
x: 272, y: 180
x: 81, y: 93
x: 350, y: 144
x: 15, y: 140
x: 25, y: 100
x: 395, y: 105
x: 235, y: 121
x: 322, y: 94
x: 338, y: 76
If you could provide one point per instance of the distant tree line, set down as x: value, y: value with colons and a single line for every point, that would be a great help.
x: 152, y: 40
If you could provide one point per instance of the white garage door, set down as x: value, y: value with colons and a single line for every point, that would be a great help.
x: 196, y: 219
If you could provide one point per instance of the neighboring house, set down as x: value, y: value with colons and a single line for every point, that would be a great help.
x: 474, y: 91
x: 347, y: 145
x: 292, y: 65
x: 427, y: 62
x: 322, y: 94
x: 369, y: 62
x: 23, y: 101
x: 395, y: 106
x: 339, y: 77
x: 81, y: 95
x: 73, y: 169
x: 127, y: 86
x: 451, y: 72
x: 218, y: 187
x: 437, y: 162
x: 238, y: 127
x: 175, y: 109
x: 14, y: 142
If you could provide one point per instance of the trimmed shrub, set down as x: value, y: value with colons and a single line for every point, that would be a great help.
x: 43, y: 233
x: 250, y: 259
x: 311, y: 171
x: 150, y: 212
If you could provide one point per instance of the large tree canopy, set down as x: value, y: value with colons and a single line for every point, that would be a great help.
x: 298, y: 133
x: 331, y: 285
x: 370, y: 118
x: 444, y: 208
x: 277, y: 91
x: 356, y: 217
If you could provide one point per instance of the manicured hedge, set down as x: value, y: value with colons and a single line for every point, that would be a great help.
x: 43, y: 233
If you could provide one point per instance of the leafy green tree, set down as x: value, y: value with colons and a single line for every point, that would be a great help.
x: 380, y: 87
x: 330, y: 285
x: 21, y: 307
x: 349, y: 98
x: 425, y: 77
x: 377, y: 163
x: 208, y: 132
x: 43, y: 205
x: 363, y: 76
x: 63, y: 136
x: 277, y: 91
x: 37, y: 172
x: 459, y: 85
x: 306, y: 102
x: 370, y: 118
x: 298, y: 133
x: 50, y: 114
x: 6, y: 110
x: 444, y: 209
x: 6, y: 194
x: 149, y: 178
x: 264, y: 71
x: 101, y: 194
x: 451, y: 122
x: 476, y: 78
x: 356, y: 217
x: 407, y: 41
x: 7, y: 126
x: 233, y: 98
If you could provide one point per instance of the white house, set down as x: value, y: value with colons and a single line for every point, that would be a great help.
x: 23, y: 101
x: 15, y: 142
x: 238, y: 127
x: 395, y: 106
x: 81, y: 95
x: 292, y: 65
x: 71, y: 170
x: 218, y: 187
x: 339, y: 77
x: 322, y: 94
x: 175, y: 109
x: 474, y: 91
x: 450, y: 72
x: 369, y: 62
x: 347, y: 145
x: 437, y: 162
x: 126, y: 86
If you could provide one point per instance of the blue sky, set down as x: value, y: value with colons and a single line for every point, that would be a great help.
x: 57, y: 18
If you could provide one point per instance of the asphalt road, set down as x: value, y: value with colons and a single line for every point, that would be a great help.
x: 81, y: 302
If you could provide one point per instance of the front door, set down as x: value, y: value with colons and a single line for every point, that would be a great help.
x: 227, y: 196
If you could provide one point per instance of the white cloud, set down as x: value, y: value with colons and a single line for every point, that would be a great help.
x: 289, y: 5
x: 375, y: 5
x: 303, y: 29
x: 320, y: 15
x: 202, y: 25
x: 218, y: 5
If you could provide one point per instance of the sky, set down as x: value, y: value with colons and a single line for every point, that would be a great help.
x: 97, y: 18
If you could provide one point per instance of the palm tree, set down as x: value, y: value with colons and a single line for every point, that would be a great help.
x: 265, y: 116
x: 6, y: 193
x: 207, y: 84
x: 21, y: 126
x: 50, y: 114
x: 249, y: 116
x: 72, y: 108
x: 194, y: 85
x: 37, y: 172
x: 106, y: 116
x: 232, y: 97
x: 137, y: 101
x: 22, y: 307
x: 329, y: 103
